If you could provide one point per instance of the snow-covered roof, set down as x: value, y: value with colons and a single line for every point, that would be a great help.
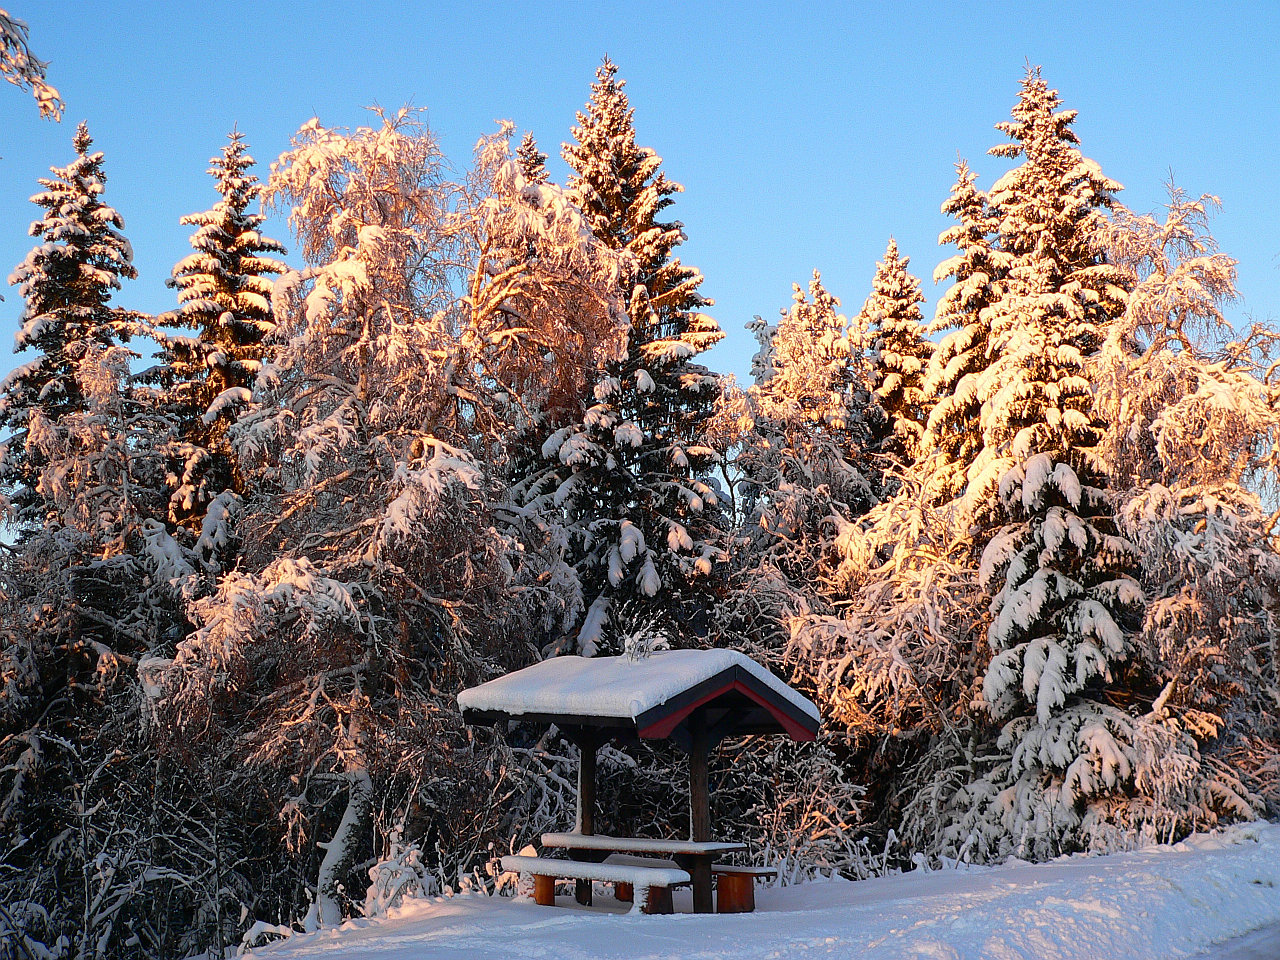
x: 655, y: 693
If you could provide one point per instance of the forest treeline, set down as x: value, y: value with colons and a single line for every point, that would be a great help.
x: 1022, y: 553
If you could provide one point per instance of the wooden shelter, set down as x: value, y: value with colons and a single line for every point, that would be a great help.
x: 695, y: 698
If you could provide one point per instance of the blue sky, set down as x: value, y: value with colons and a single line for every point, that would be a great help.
x: 804, y: 138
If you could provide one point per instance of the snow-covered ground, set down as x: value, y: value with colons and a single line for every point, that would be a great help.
x: 1215, y: 895
x: 1262, y: 944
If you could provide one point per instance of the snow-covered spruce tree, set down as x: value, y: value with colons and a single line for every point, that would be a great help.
x: 1065, y: 600
x: 953, y: 373
x: 373, y: 582
x: 67, y: 281
x: 224, y: 288
x: 1191, y: 441
x: 82, y: 598
x: 1058, y: 285
x: 533, y: 162
x: 22, y: 68
x: 898, y: 351
x: 627, y: 481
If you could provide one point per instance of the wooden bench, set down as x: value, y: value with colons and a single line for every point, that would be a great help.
x: 736, y: 886
x: 654, y: 883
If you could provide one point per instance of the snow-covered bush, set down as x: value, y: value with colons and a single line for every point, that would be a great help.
x: 794, y: 804
x: 401, y: 874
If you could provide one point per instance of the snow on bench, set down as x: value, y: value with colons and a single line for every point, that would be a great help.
x: 626, y: 860
x: 624, y: 891
x: 653, y: 882
x: 590, y: 841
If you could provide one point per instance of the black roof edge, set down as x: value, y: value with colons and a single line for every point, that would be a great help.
x: 491, y: 717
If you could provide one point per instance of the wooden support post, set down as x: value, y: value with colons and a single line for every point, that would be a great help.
x: 699, y: 809
x: 588, y: 743
x: 699, y: 795
x: 624, y: 892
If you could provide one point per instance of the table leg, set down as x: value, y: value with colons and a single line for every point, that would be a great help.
x: 699, y: 868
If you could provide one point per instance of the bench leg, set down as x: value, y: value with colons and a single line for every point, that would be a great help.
x: 735, y: 893
x: 582, y: 892
x: 624, y: 892
x: 544, y: 890
x: 658, y: 900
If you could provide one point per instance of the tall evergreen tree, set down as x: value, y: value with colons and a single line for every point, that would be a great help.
x: 627, y: 479
x: 953, y: 374
x: 83, y: 595
x: 69, y: 323
x: 224, y: 289
x: 622, y: 191
x: 1064, y: 595
x: 1060, y: 292
x: 899, y: 352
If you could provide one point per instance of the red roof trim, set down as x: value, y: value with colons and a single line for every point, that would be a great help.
x: 662, y: 728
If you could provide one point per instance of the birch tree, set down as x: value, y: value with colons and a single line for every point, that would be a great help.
x: 374, y: 581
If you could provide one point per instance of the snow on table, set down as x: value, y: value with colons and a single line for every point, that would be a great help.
x: 597, y: 841
x: 614, y: 686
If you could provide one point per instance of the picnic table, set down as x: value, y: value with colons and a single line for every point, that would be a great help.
x: 695, y: 856
x: 696, y: 699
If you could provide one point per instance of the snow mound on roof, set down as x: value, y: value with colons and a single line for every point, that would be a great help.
x: 614, y: 686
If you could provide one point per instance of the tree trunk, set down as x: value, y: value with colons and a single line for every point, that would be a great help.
x: 340, y: 852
